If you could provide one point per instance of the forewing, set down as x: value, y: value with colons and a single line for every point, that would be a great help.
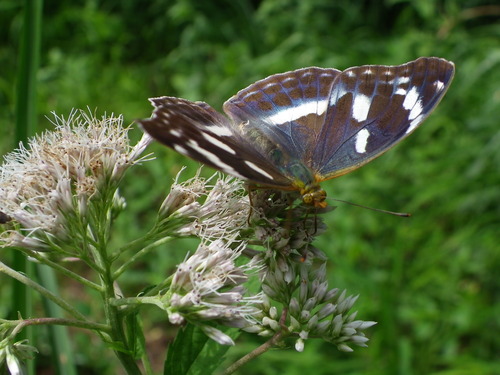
x: 198, y: 131
x: 288, y: 109
x: 372, y: 108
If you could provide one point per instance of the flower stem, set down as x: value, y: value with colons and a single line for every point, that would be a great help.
x: 43, y: 291
x: 137, y: 255
x: 272, y: 342
x: 20, y: 324
x: 255, y: 353
x: 61, y: 269
x: 115, y: 320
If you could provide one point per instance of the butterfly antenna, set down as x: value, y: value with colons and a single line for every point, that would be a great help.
x: 400, y: 214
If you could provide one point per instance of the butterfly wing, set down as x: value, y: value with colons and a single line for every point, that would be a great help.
x: 289, y: 110
x: 372, y: 108
x: 198, y: 131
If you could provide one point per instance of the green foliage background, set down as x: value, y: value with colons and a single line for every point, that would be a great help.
x: 431, y: 281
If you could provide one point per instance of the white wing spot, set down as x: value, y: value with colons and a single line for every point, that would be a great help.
x: 414, y: 123
x: 270, y: 84
x: 416, y: 110
x: 294, y: 113
x: 368, y: 71
x: 362, y: 141
x: 218, y: 143
x: 258, y: 169
x: 439, y: 85
x: 181, y: 150
x: 401, y: 91
x: 360, y: 107
x: 350, y: 74
x: 401, y: 80
x: 339, y: 92
x: 221, y: 131
x: 193, y: 144
x: 250, y: 93
x: 214, y: 159
x: 175, y: 133
x: 411, y: 98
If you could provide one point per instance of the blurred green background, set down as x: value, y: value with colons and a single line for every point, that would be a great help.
x: 431, y: 281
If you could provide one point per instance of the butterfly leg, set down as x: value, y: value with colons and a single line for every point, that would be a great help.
x: 250, y: 188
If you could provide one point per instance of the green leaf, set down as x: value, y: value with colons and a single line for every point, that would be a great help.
x: 193, y: 353
x: 184, y: 351
x: 212, y: 354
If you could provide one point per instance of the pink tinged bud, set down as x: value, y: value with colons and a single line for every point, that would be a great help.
x: 326, y: 310
x: 312, y: 322
x: 294, y: 307
x: 352, y: 317
x: 310, y: 303
x: 331, y: 294
x: 176, y: 318
x: 322, y: 327
x: 361, y: 325
x: 345, y: 305
x: 303, y: 289
x: 337, y: 325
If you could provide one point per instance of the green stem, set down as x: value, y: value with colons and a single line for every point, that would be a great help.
x: 113, y: 316
x: 61, y: 269
x: 158, y: 288
x: 20, y: 324
x: 115, y: 320
x: 155, y: 232
x: 29, y: 57
x: 43, y: 291
x: 139, y: 254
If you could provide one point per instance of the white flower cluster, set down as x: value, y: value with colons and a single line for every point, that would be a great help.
x: 312, y: 310
x: 57, y: 174
x: 214, y: 210
x: 208, y: 286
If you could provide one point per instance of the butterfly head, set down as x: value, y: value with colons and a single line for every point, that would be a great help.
x: 313, y: 195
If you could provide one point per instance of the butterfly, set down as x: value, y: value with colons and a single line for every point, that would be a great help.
x: 293, y: 130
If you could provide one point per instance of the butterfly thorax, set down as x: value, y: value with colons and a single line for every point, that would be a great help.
x: 306, y: 183
x: 313, y: 195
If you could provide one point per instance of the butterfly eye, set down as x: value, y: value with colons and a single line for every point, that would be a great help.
x: 313, y: 195
x: 308, y: 199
